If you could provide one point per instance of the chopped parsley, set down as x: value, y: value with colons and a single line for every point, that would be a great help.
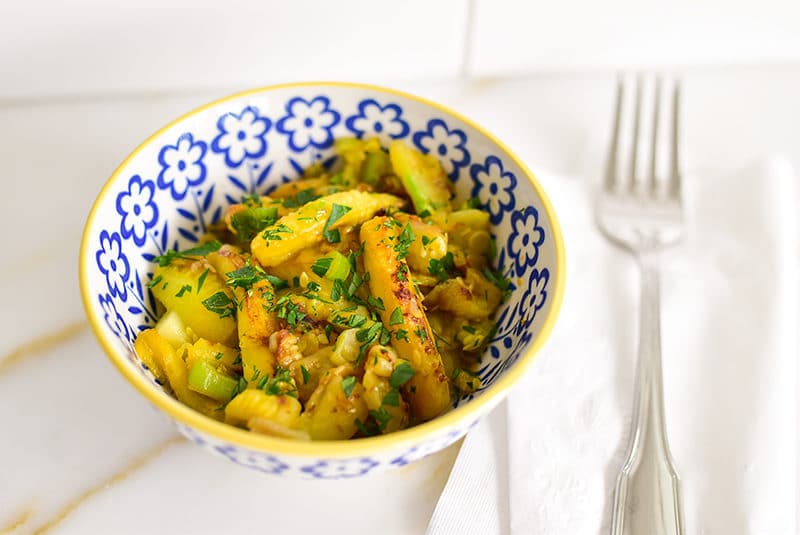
x: 337, y: 211
x: 401, y: 334
x: 277, y: 282
x: 185, y: 288
x: 313, y: 286
x: 376, y: 303
x: 201, y: 280
x: 155, y: 281
x: 369, y: 334
x: 401, y: 374
x: 348, y: 383
x: 220, y: 304
x: 469, y: 328
x: 443, y: 268
x: 303, y: 197
x: 280, y: 385
x: 382, y: 417
x: 250, y: 221
x: 245, y: 277
x: 404, y: 241
x: 288, y: 310
x: 274, y: 234
x: 426, y: 240
x: 201, y: 250
x: 497, y: 278
x: 218, y: 356
x: 421, y: 333
x: 386, y: 336
x: 241, y: 386
x: 321, y: 265
x: 306, y: 374
x: 337, y: 290
x: 392, y: 398
x: 356, y: 320
x: 402, y: 272
x: 397, y: 317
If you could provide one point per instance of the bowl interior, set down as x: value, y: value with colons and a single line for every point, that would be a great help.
x: 181, y: 179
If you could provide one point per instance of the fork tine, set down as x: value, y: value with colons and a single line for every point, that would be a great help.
x: 635, y: 143
x: 611, y: 165
x: 675, y: 171
x: 654, y: 138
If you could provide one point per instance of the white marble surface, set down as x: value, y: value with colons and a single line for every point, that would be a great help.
x: 70, y: 421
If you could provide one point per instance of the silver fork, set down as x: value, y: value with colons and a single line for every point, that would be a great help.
x: 643, y: 215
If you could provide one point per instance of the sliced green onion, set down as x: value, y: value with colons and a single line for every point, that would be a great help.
x: 339, y: 268
x: 207, y: 380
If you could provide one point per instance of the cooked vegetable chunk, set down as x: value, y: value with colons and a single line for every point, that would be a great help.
x: 429, y: 391
x: 198, y: 296
x: 422, y: 176
x: 316, y: 221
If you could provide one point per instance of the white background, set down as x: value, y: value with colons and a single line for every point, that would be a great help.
x: 83, y: 82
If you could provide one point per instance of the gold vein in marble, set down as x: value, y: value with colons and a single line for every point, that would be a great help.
x: 20, y: 520
x: 120, y: 476
x: 41, y: 344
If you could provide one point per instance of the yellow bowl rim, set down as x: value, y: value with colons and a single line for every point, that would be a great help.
x: 341, y: 448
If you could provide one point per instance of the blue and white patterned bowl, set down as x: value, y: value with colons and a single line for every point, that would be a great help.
x: 180, y: 180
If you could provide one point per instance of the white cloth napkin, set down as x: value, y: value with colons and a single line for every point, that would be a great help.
x: 729, y: 323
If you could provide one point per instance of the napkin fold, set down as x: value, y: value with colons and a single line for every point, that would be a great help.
x: 729, y: 320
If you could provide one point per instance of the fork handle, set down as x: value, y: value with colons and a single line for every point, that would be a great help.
x: 647, y: 500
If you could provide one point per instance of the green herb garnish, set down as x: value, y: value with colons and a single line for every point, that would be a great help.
x: 220, y: 304
x: 443, y: 268
x: 185, y: 288
x: 392, y: 398
x: 250, y: 221
x: 401, y: 374
x: 189, y: 254
x: 397, y: 317
x: 404, y: 240
x: 337, y: 211
x: 245, y: 277
x: 348, y: 383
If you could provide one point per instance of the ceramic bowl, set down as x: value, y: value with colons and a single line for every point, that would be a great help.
x: 180, y: 180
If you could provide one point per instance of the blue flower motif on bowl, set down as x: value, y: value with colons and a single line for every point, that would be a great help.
x: 113, y: 264
x: 309, y: 123
x: 493, y: 186
x: 139, y: 212
x: 339, y: 469
x: 448, y: 145
x: 525, y: 239
x: 418, y: 452
x: 534, y: 297
x: 250, y: 459
x: 374, y: 119
x: 182, y: 165
x: 113, y: 319
x: 241, y: 136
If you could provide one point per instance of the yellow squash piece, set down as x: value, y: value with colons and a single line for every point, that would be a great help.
x: 428, y: 391
x: 330, y: 413
x: 152, y: 346
x: 256, y: 325
x: 179, y: 288
x: 282, y: 410
x: 378, y: 367
x: 472, y: 297
x: 301, y: 229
